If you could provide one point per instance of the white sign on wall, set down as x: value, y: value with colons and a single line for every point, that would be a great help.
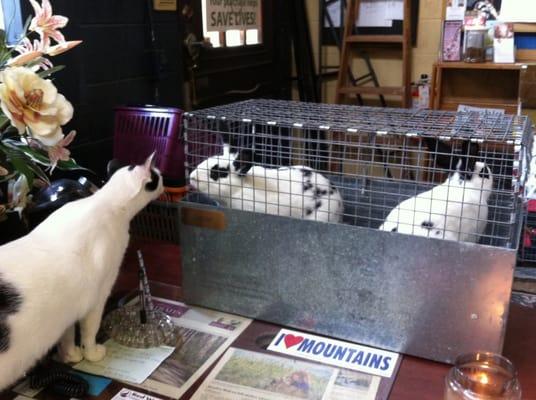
x: 222, y: 15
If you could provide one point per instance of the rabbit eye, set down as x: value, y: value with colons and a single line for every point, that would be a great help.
x: 217, y: 172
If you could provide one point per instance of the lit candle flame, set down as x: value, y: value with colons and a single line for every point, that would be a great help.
x: 482, y: 377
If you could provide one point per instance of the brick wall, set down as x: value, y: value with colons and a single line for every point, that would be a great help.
x: 114, y: 66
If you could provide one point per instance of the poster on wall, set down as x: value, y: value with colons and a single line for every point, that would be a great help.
x: 223, y: 15
x: 489, y: 8
x: 452, y: 31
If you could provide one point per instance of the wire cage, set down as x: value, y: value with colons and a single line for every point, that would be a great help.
x: 427, y: 173
x: 389, y: 227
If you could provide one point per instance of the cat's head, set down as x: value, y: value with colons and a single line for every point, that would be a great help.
x: 139, y: 184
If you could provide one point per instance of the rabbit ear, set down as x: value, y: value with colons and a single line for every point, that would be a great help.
x: 243, y: 162
x: 468, y: 158
x: 442, y: 152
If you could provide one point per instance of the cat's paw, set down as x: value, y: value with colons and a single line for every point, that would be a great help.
x: 71, y: 355
x: 94, y: 353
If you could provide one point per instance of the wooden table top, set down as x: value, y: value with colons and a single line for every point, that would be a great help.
x: 417, y: 379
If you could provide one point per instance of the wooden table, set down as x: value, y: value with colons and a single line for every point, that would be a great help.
x: 417, y: 379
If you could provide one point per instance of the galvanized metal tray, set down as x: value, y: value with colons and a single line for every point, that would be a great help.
x: 425, y: 297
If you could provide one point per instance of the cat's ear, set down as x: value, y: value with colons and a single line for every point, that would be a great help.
x: 150, y: 162
x: 143, y: 172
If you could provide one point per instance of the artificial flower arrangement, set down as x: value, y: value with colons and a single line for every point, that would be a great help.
x: 32, y: 142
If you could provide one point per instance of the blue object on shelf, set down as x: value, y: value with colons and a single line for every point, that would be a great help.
x: 525, y: 40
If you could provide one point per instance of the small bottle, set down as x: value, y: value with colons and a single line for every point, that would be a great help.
x: 482, y: 376
x: 414, y: 95
x: 424, y: 92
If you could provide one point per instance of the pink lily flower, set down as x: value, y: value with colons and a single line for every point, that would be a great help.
x: 29, y: 52
x: 24, y: 58
x: 59, y: 152
x: 46, y: 24
x: 62, y: 47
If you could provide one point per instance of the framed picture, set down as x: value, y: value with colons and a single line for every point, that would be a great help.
x: 489, y: 9
x: 451, y: 43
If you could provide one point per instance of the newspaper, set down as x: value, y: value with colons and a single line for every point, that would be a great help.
x: 126, y: 363
x: 206, y: 334
x: 243, y: 374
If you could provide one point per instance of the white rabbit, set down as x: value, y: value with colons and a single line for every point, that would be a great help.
x: 295, y: 191
x: 457, y: 209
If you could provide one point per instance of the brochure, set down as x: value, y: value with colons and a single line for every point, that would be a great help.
x: 206, y: 334
x: 126, y: 363
x: 243, y: 374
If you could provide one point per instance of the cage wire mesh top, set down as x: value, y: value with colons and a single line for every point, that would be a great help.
x: 439, y: 174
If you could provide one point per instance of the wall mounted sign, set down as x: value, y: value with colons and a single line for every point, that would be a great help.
x: 165, y: 5
x: 222, y: 15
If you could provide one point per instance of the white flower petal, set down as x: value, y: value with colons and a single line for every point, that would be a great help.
x: 29, y: 100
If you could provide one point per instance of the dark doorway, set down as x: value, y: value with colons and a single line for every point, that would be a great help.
x: 219, y: 75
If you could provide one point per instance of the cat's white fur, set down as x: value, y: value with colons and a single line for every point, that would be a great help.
x: 65, y: 269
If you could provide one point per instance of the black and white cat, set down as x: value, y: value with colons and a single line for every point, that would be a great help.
x: 63, y: 271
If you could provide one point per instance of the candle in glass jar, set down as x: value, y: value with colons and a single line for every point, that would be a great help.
x: 482, y: 376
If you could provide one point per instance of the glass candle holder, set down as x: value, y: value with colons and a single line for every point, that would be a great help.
x: 482, y: 376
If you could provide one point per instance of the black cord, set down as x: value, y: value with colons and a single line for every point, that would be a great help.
x: 157, y: 54
x: 60, y: 380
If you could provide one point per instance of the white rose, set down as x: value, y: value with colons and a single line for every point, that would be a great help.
x: 31, y: 101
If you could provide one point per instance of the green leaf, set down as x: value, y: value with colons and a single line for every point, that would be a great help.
x: 22, y: 162
x: 26, y: 26
x: 4, y: 121
x: 71, y: 165
x: 36, y: 155
x: 48, y: 72
x: 24, y: 169
x: 40, y: 157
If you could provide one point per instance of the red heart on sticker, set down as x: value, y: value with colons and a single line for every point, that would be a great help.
x: 291, y: 340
